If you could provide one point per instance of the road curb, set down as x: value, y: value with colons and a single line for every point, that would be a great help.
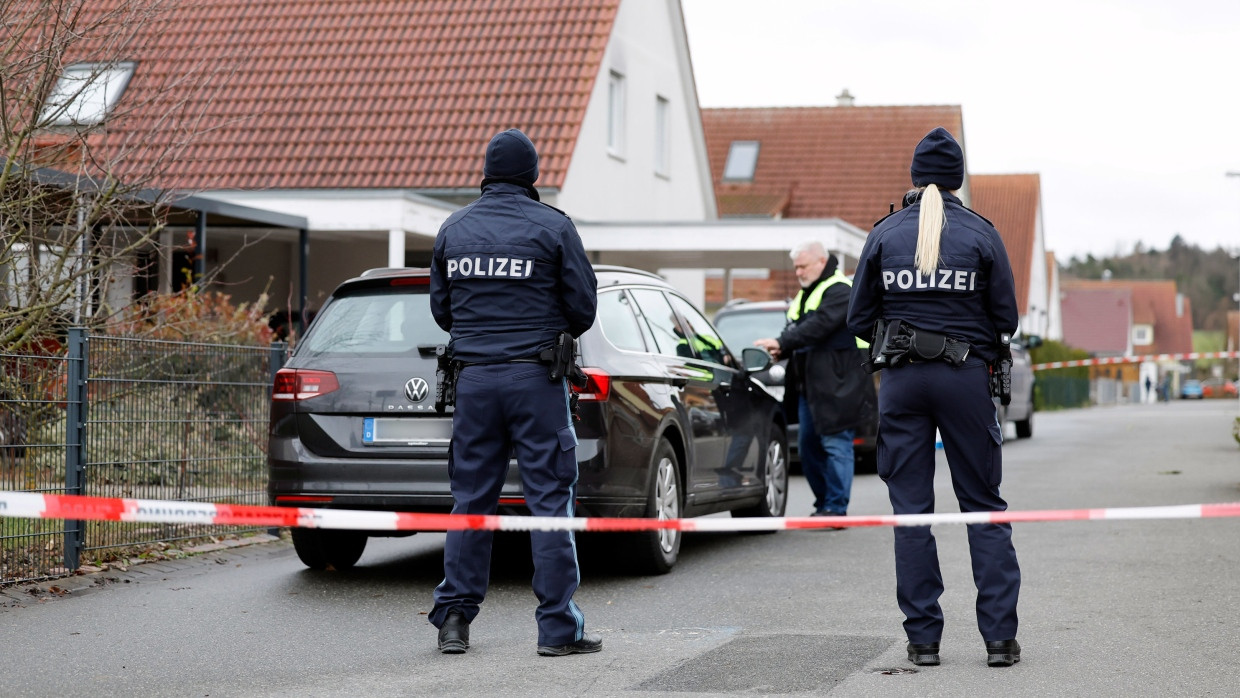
x: 89, y: 578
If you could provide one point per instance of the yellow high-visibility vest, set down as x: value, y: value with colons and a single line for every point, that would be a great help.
x: 815, y: 298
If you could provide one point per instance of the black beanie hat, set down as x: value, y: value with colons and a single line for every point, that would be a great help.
x: 511, y: 155
x: 939, y: 160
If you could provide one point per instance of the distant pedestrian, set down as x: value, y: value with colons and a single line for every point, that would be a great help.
x: 934, y: 288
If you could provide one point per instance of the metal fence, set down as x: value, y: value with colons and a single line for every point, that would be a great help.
x: 133, y: 418
x: 33, y: 397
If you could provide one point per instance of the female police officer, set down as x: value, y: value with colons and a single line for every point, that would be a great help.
x: 936, y: 277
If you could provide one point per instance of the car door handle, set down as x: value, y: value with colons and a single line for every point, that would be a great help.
x: 725, y: 386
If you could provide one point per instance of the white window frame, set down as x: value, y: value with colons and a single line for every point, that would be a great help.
x: 741, y: 154
x: 1142, y: 335
x: 86, y: 93
x: 615, y: 113
x: 662, y: 136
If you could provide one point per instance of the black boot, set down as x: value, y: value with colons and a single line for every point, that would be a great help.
x: 1002, y: 653
x: 924, y: 654
x: 454, y: 634
x: 588, y: 643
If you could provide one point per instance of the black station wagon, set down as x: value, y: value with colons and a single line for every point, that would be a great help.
x: 672, y: 423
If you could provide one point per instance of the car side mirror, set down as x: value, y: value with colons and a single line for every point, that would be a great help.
x: 755, y: 359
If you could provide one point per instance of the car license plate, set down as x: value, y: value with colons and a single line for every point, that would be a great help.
x: 406, y: 431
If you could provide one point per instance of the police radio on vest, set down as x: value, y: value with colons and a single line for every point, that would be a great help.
x: 909, y: 279
x: 489, y: 267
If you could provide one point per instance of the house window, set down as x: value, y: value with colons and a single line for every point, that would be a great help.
x: 742, y: 161
x: 662, y: 120
x: 1142, y: 335
x: 615, y: 114
x: 86, y: 93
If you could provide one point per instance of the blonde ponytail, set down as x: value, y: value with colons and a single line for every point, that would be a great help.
x: 930, y: 225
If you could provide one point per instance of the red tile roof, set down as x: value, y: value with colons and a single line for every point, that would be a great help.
x: 1154, y: 303
x: 1097, y: 320
x: 832, y: 162
x: 359, y: 93
x: 1011, y: 203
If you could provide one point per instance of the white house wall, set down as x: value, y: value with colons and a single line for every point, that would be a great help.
x: 1037, y: 317
x: 648, y: 47
x: 1054, y: 324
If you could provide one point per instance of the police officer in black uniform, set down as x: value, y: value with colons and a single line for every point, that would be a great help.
x: 934, y: 278
x: 509, y: 275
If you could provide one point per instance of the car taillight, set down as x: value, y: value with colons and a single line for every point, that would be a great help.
x: 293, y: 384
x: 598, y: 386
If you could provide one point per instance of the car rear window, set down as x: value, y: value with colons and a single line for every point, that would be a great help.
x: 615, y: 316
x: 374, y: 322
x: 740, y: 329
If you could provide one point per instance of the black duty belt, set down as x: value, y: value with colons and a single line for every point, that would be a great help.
x: 897, y: 343
x: 465, y: 364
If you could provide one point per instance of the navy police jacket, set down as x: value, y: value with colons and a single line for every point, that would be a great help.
x: 971, y: 297
x: 508, y: 274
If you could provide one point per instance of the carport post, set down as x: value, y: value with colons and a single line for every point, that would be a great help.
x: 200, y: 246
x: 303, y: 277
x: 75, y: 441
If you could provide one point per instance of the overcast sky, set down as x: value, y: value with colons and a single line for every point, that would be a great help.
x: 1128, y: 109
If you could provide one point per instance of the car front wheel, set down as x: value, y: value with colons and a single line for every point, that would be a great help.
x: 655, y: 552
x: 319, y: 548
x: 1024, y: 427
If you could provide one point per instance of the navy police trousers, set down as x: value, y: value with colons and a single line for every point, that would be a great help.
x: 915, y: 399
x: 499, y: 408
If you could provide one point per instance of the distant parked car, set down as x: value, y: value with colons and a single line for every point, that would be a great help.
x: 1020, y: 411
x: 1216, y: 387
x: 1191, y: 389
x: 739, y: 324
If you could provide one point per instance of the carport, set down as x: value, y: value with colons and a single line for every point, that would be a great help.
x: 683, y: 251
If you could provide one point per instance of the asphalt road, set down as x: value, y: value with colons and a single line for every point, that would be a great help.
x: 1108, y: 608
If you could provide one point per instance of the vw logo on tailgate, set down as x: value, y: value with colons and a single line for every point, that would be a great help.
x: 417, y: 389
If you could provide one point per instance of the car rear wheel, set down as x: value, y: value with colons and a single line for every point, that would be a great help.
x: 319, y: 548
x: 775, y: 477
x: 655, y: 552
x: 1024, y: 427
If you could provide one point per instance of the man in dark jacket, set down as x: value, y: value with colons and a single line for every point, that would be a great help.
x: 508, y: 276
x: 833, y: 392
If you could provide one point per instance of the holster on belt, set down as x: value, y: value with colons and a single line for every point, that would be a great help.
x: 562, y: 357
x: 446, y: 372
x: 896, y: 343
x: 1001, y: 371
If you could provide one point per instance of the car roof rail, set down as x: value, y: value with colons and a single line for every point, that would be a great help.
x: 391, y: 271
x: 629, y: 270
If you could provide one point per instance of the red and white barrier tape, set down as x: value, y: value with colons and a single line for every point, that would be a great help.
x: 1139, y: 359
x: 75, y: 507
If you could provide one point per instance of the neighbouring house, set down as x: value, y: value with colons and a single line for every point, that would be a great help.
x: 368, y: 121
x: 1130, y: 319
x: 852, y: 162
x: 1013, y: 203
